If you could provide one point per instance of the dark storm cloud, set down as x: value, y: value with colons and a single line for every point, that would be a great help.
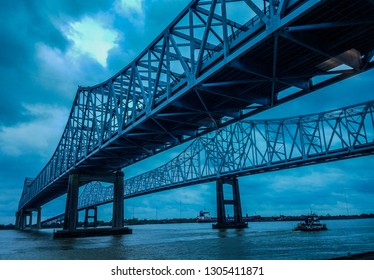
x: 40, y: 26
x: 15, y: 58
x: 13, y: 28
x: 24, y: 25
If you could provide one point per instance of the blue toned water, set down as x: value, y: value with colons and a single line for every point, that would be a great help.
x: 263, y: 240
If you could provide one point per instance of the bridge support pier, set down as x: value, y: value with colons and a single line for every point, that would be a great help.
x: 222, y: 221
x: 87, y: 216
x: 24, y: 214
x: 20, y: 220
x: 39, y: 219
x: 118, y: 204
x: 71, y: 212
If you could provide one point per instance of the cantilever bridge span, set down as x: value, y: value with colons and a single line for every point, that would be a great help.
x: 218, y: 62
x: 250, y: 147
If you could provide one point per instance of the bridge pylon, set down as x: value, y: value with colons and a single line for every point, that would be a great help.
x: 71, y: 207
x: 88, y: 216
x: 78, y: 179
x: 224, y: 221
x: 24, y: 218
x: 118, y: 205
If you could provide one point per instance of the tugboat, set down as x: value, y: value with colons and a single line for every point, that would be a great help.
x: 311, y: 223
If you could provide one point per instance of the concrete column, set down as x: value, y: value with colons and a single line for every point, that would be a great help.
x: 221, y: 213
x: 71, y: 210
x: 87, y: 216
x: 17, y: 226
x: 235, y: 202
x: 30, y: 219
x: 118, y: 204
x: 95, y: 216
x: 39, y: 219
x: 22, y: 220
x: 238, y: 217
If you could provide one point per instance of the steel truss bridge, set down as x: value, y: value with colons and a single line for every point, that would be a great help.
x: 250, y: 147
x: 218, y: 62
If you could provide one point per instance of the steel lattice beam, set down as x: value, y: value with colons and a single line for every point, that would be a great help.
x: 215, y: 66
x: 251, y: 147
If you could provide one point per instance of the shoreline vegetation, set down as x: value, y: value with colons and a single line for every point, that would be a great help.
x: 257, y: 218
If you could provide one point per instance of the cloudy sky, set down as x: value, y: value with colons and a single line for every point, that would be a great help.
x: 48, y: 48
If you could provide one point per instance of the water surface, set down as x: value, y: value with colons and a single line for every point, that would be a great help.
x: 262, y: 240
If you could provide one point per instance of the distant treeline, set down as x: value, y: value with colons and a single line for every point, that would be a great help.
x: 10, y: 226
x: 135, y: 221
x: 300, y: 218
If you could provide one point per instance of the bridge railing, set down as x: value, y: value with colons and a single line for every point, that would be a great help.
x: 251, y: 147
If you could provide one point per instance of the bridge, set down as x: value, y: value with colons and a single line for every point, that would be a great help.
x: 211, y: 67
x: 251, y: 147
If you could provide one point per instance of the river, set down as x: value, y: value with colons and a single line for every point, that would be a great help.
x: 261, y: 241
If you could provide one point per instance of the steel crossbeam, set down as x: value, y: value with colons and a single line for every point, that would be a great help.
x: 218, y: 62
x: 252, y: 147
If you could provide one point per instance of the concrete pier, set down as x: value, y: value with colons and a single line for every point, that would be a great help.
x: 71, y: 212
x: 24, y: 219
x: 222, y: 221
x: 93, y: 216
x: 39, y: 219
x: 118, y: 204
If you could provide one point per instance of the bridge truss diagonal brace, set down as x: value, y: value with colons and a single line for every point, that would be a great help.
x: 258, y: 11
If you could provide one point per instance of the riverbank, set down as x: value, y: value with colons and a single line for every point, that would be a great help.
x: 257, y: 218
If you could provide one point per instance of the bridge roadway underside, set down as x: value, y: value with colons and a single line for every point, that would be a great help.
x: 309, y: 45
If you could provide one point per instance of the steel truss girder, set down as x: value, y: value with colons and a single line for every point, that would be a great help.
x: 205, y: 39
x: 251, y: 147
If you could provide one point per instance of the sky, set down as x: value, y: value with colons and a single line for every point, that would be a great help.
x: 48, y: 48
